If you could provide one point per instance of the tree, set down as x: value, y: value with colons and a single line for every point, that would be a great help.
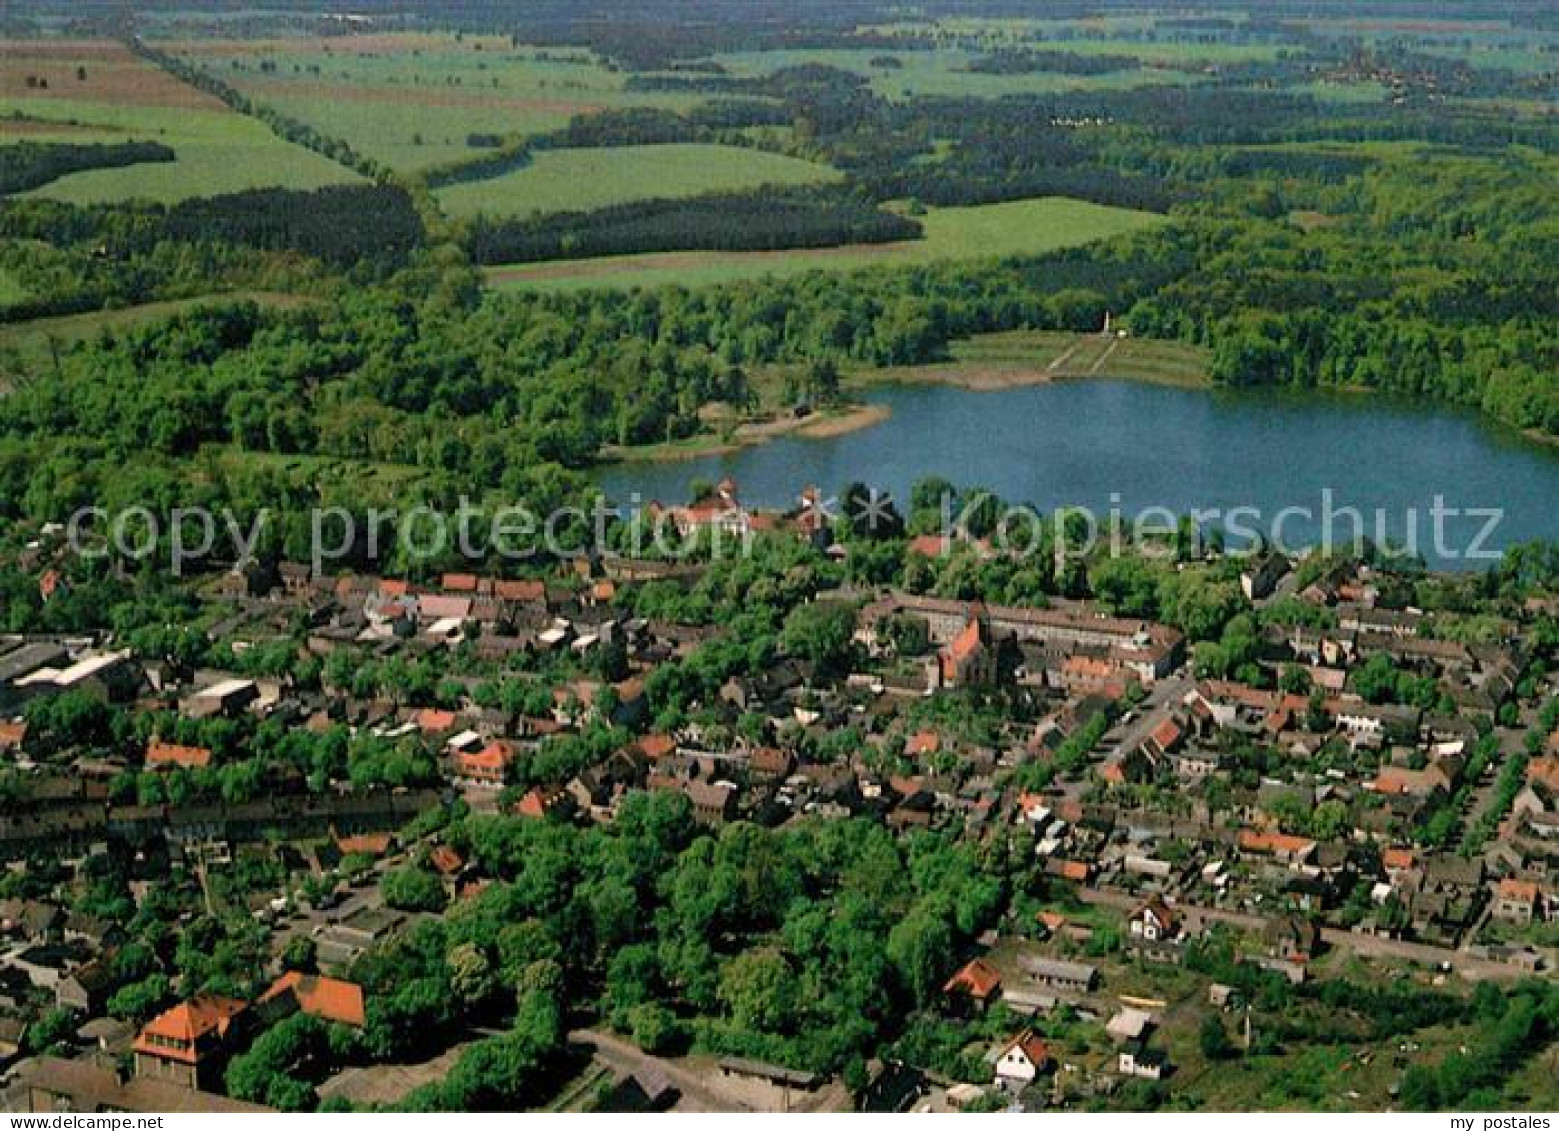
x: 918, y: 947
x: 414, y: 889
x: 656, y: 1029
x: 822, y: 633
x: 761, y: 991
x: 1214, y: 1039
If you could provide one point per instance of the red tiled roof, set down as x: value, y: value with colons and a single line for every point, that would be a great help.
x: 977, y: 978
x: 328, y: 998
x: 187, y: 1023
x: 1395, y: 858
x: 12, y: 734
x: 446, y: 860
x: 432, y: 721
x: 365, y: 844
x: 657, y: 745
x: 1545, y: 770
x: 928, y: 545
x: 160, y: 754
x: 524, y: 591
x: 1076, y: 870
x: 495, y: 756
x: 458, y: 583
x: 1032, y: 1046
x: 1519, y: 890
x: 922, y: 743
x: 1166, y: 734
x: 536, y: 804
x: 1274, y: 843
x: 393, y: 588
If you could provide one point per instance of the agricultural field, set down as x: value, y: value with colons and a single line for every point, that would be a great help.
x: 577, y: 180
x: 412, y: 101
x: 97, y: 91
x: 1023, y: 227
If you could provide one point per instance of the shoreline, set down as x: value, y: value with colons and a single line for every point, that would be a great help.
x: 820, y: 425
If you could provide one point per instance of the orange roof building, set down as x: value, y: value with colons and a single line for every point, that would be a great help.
x: 488, y: 766
x: 329, y: 999
x: 186, y: 1043
x: 168, y: 755
x: 976, y: 980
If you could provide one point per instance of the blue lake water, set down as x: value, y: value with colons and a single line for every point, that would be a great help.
x: 1112, y: 443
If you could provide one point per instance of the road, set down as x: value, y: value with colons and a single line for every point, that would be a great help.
x: 1365, y: 946
x: 1148, y: 714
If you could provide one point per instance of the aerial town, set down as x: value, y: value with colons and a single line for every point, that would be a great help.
x: 233, y: 841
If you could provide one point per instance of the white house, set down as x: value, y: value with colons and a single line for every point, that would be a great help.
x: 1023, y: 1059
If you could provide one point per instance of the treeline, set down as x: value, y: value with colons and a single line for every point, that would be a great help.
x: 32, y: 164
x: 84, y: 258
x: 763, y: 219
x: 1024, y: 62
x: 340, y: 224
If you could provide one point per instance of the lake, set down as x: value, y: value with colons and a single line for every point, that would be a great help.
x: 1101, y: 443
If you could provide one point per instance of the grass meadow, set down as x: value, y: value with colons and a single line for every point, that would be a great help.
x: 570, y: 180
x: 1023, y: 227
x: 96, y: 91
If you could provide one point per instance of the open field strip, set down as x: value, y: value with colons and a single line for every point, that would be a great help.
x: 1023, y: 227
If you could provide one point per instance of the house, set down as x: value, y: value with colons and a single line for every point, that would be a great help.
x: 1021, y: 1061
x: 1291, y: 938
x: 1154, y: 921
x: 973, y: 988
x: 188, y: 1044
x: 1515, y: 902
x: 1262, y: 576
x: 329, y: 999
x: 540, y: 803
x: 486, y: 768
x: 1291, y: 850
x: 227, y: 697
x: 86, y: 989
x: 1144, y: 1063
x: 1129, y: 1026
x: 168, y: 756
x: 713, y: 802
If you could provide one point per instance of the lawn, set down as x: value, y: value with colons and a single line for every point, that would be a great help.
x: 1016, y: 228
x: 122, y: 98
x: 580, y: 180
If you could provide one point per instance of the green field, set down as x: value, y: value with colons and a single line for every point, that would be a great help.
x: 580, y: 180
x: 1023, y: 227
x: 217, y: 151
x: 412, y: 100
